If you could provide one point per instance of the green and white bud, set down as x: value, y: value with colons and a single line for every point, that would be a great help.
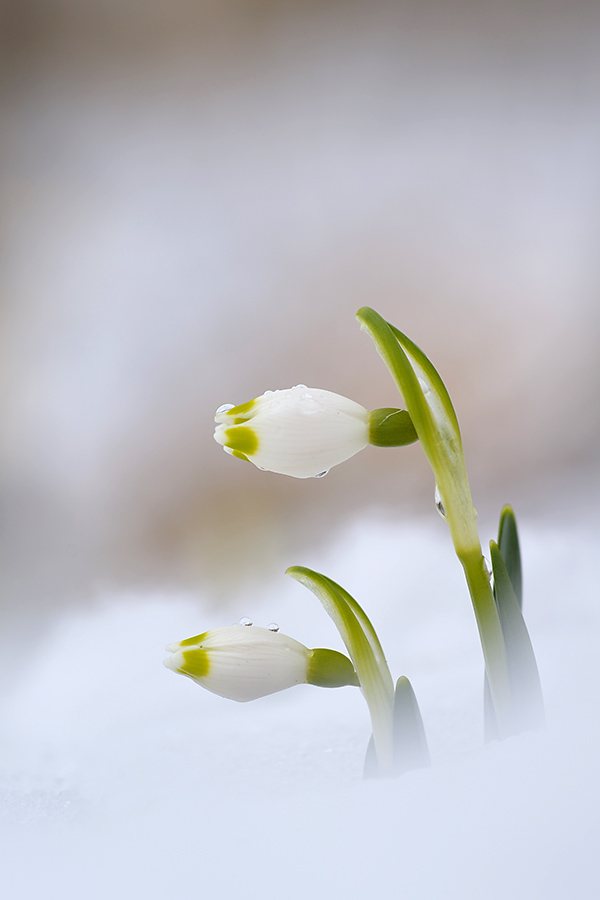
x: 244, y: 662
x: 300, y: 431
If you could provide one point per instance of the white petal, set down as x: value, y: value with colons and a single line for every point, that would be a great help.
x: 247, y: 662
x: 305, y: 431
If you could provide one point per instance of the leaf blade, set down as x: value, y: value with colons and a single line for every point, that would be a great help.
x: 410, y: 742
x: 508, y: 544
x: 523, y: 672
x: 365, y: 652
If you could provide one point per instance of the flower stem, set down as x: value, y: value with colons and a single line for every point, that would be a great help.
x: 455, y: 491
x: 435, y: 422
x: 492, y: 639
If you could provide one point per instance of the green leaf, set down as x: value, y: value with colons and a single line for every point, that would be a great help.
x: 508, y: 543
x: 431, y: 383
x: 523, y: 673
x: 435, y: 422
x: 434, y: 419
x: 354, y: 626
x: 427, y: 399
x: 366, y: 654
x: 410, y: 744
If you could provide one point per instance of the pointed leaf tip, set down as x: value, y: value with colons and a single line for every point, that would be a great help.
x: 508, y: 543
x: 410, y: 743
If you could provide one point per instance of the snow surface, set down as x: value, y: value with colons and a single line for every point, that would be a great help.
x: 118, y: 779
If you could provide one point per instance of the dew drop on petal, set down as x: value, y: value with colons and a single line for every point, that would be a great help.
x: 245, y: 621
x: 438, y: 503
x: 267, y: 392
x: 322, y: 474
x: 225, y: 408
x: 273, y: 626
x: 303, y: 386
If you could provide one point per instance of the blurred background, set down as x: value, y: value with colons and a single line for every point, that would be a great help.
x: 196, y: 197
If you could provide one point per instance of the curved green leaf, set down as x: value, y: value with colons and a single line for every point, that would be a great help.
x: 365, y: 652
x: 424, y: 392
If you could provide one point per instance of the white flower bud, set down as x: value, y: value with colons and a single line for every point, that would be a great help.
x: 243, y: 662
x: 300, y: 431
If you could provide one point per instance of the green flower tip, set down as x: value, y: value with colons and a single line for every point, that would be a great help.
x: 241, y: 441
x: 241, y: 413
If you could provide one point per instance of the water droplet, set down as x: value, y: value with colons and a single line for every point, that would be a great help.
x: 273, y: 626
x: 299, y: 386
x: 245, y: 621
x: 267, y: 392
x: 438, y: 503
x: 225, y: 408
x: 425, y: 386
x: 322, y: 474
x: 487, y: 566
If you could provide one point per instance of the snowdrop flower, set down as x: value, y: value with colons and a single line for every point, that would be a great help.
x: 303, y: 431
x: 244, y: 662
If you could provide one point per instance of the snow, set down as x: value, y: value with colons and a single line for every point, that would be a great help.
x: 118, y: 779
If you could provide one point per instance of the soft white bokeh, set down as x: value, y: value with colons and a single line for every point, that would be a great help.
x: 196, y: 199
